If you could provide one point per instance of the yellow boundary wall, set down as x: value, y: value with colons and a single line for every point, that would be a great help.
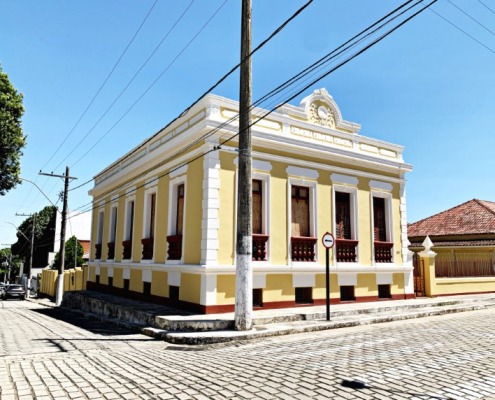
x: 73, y: 280
x: 449, y: 286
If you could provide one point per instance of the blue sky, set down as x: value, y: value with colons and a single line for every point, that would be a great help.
x: 429, y: 86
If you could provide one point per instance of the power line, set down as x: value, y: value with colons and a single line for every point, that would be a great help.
x: 471, y: 17
x: 102, y: 85
x: 488, y: 8
x: 92, y: 100
x: 365, y: 48
x: 142, y: 95
x: 463, y: 31
x: 128, y: 84
x: 224, y: 124
x: 262, y: 44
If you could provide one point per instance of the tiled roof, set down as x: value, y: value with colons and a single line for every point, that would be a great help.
x: 86, y: 244
x: 469, y: 218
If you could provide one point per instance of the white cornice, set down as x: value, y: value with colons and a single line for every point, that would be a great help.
x: 315, y: 165
x: 206, y: 116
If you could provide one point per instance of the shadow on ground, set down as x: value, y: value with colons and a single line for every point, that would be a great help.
x: 87, y: 322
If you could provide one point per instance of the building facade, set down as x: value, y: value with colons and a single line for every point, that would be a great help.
x: 164, y: 216
x: 462, y: 240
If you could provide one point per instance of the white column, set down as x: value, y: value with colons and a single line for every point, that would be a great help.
x: 210, y: 204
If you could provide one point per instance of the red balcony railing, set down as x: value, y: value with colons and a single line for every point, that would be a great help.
x: 147, y: 248
x: 346, y: 250
x: 259, y: 247
x: 383, y: 252
x: 303, y: 248
x: 174, y: 247
x: 111, y: 251
x: 97, y: 251
x: 127, y: 246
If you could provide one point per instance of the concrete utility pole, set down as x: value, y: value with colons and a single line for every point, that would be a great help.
x: 244, y: 273
x: 60, y: 280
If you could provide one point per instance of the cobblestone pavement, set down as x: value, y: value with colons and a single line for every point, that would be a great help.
x: 54, y: 354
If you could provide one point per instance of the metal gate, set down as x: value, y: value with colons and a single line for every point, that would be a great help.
x: 419, y: 276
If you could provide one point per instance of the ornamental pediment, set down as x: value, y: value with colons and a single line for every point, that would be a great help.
x: 319, y: 108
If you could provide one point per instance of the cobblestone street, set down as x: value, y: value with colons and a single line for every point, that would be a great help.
x: 51, y: 354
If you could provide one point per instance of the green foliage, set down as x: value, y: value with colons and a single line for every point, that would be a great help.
x: 44, y: 237
x: 8, y: 260
x: 12, y: 139
x: 73, y: 254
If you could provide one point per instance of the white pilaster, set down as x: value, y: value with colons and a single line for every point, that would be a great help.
x: 211, y: 199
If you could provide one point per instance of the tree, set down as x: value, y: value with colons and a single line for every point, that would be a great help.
x: 44, y: 237
x: 73, y: 254
x: 12, y: 139
x: 8, y: 263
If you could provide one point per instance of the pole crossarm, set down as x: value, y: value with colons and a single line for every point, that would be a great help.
x: 51, y: 174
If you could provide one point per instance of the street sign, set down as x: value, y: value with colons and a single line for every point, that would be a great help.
x: 328, y: 240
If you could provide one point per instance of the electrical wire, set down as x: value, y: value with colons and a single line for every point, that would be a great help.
x: 326, y: 73
x: 90, y: 103
x: 233, y: 69
x: 145, y: 92
x: 488, y: 8
x: 471, y: 17
x: 128, y: 83
x: 103, y: 84
x: 463, y: 31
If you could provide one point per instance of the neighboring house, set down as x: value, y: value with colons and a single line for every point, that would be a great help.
x: 78, y: 225
x: 86, y: 244
x: 164, y: 225
x: 463, y: 238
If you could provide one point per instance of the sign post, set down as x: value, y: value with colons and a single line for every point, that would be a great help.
x: 328, y: 242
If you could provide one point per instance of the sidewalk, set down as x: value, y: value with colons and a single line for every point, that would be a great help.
x: 180, y: 327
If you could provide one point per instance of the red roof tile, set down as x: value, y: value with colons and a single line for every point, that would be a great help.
x: 472, y: 217
x: 86, y: 244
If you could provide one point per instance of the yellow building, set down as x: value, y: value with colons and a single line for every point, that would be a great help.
x: 164, y: 226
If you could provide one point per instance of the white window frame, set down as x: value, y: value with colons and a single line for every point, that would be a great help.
x: 112, y: 226
x: 313, y: 212
x: 127, y: 222
x: 101, y: 225
x: 388, y: 220
x: 172, y: 214
x: 112, y: 231
x: 352, y: 191
x: 265, y: 211
x: 148, y: 193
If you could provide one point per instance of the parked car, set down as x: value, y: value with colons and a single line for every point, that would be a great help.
x: 14, y: 292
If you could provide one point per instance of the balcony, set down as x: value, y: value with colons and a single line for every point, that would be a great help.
x: 303, y: 248
x: 111, y: 251
x: 346, y: 250
x: 127, y: 245
x: 147, y: 248
x: 98, y: 251
x: 174, y: 247
x: 259, y: 247
x: 383, y: 252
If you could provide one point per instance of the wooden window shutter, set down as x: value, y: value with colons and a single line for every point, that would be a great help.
x: 300, y: 211
x: 380, y: 230
x: 257, y: 206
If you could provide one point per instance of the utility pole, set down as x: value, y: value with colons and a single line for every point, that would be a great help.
x: 60, y: 279
x: 244, y: 273
x: 30, y: 269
